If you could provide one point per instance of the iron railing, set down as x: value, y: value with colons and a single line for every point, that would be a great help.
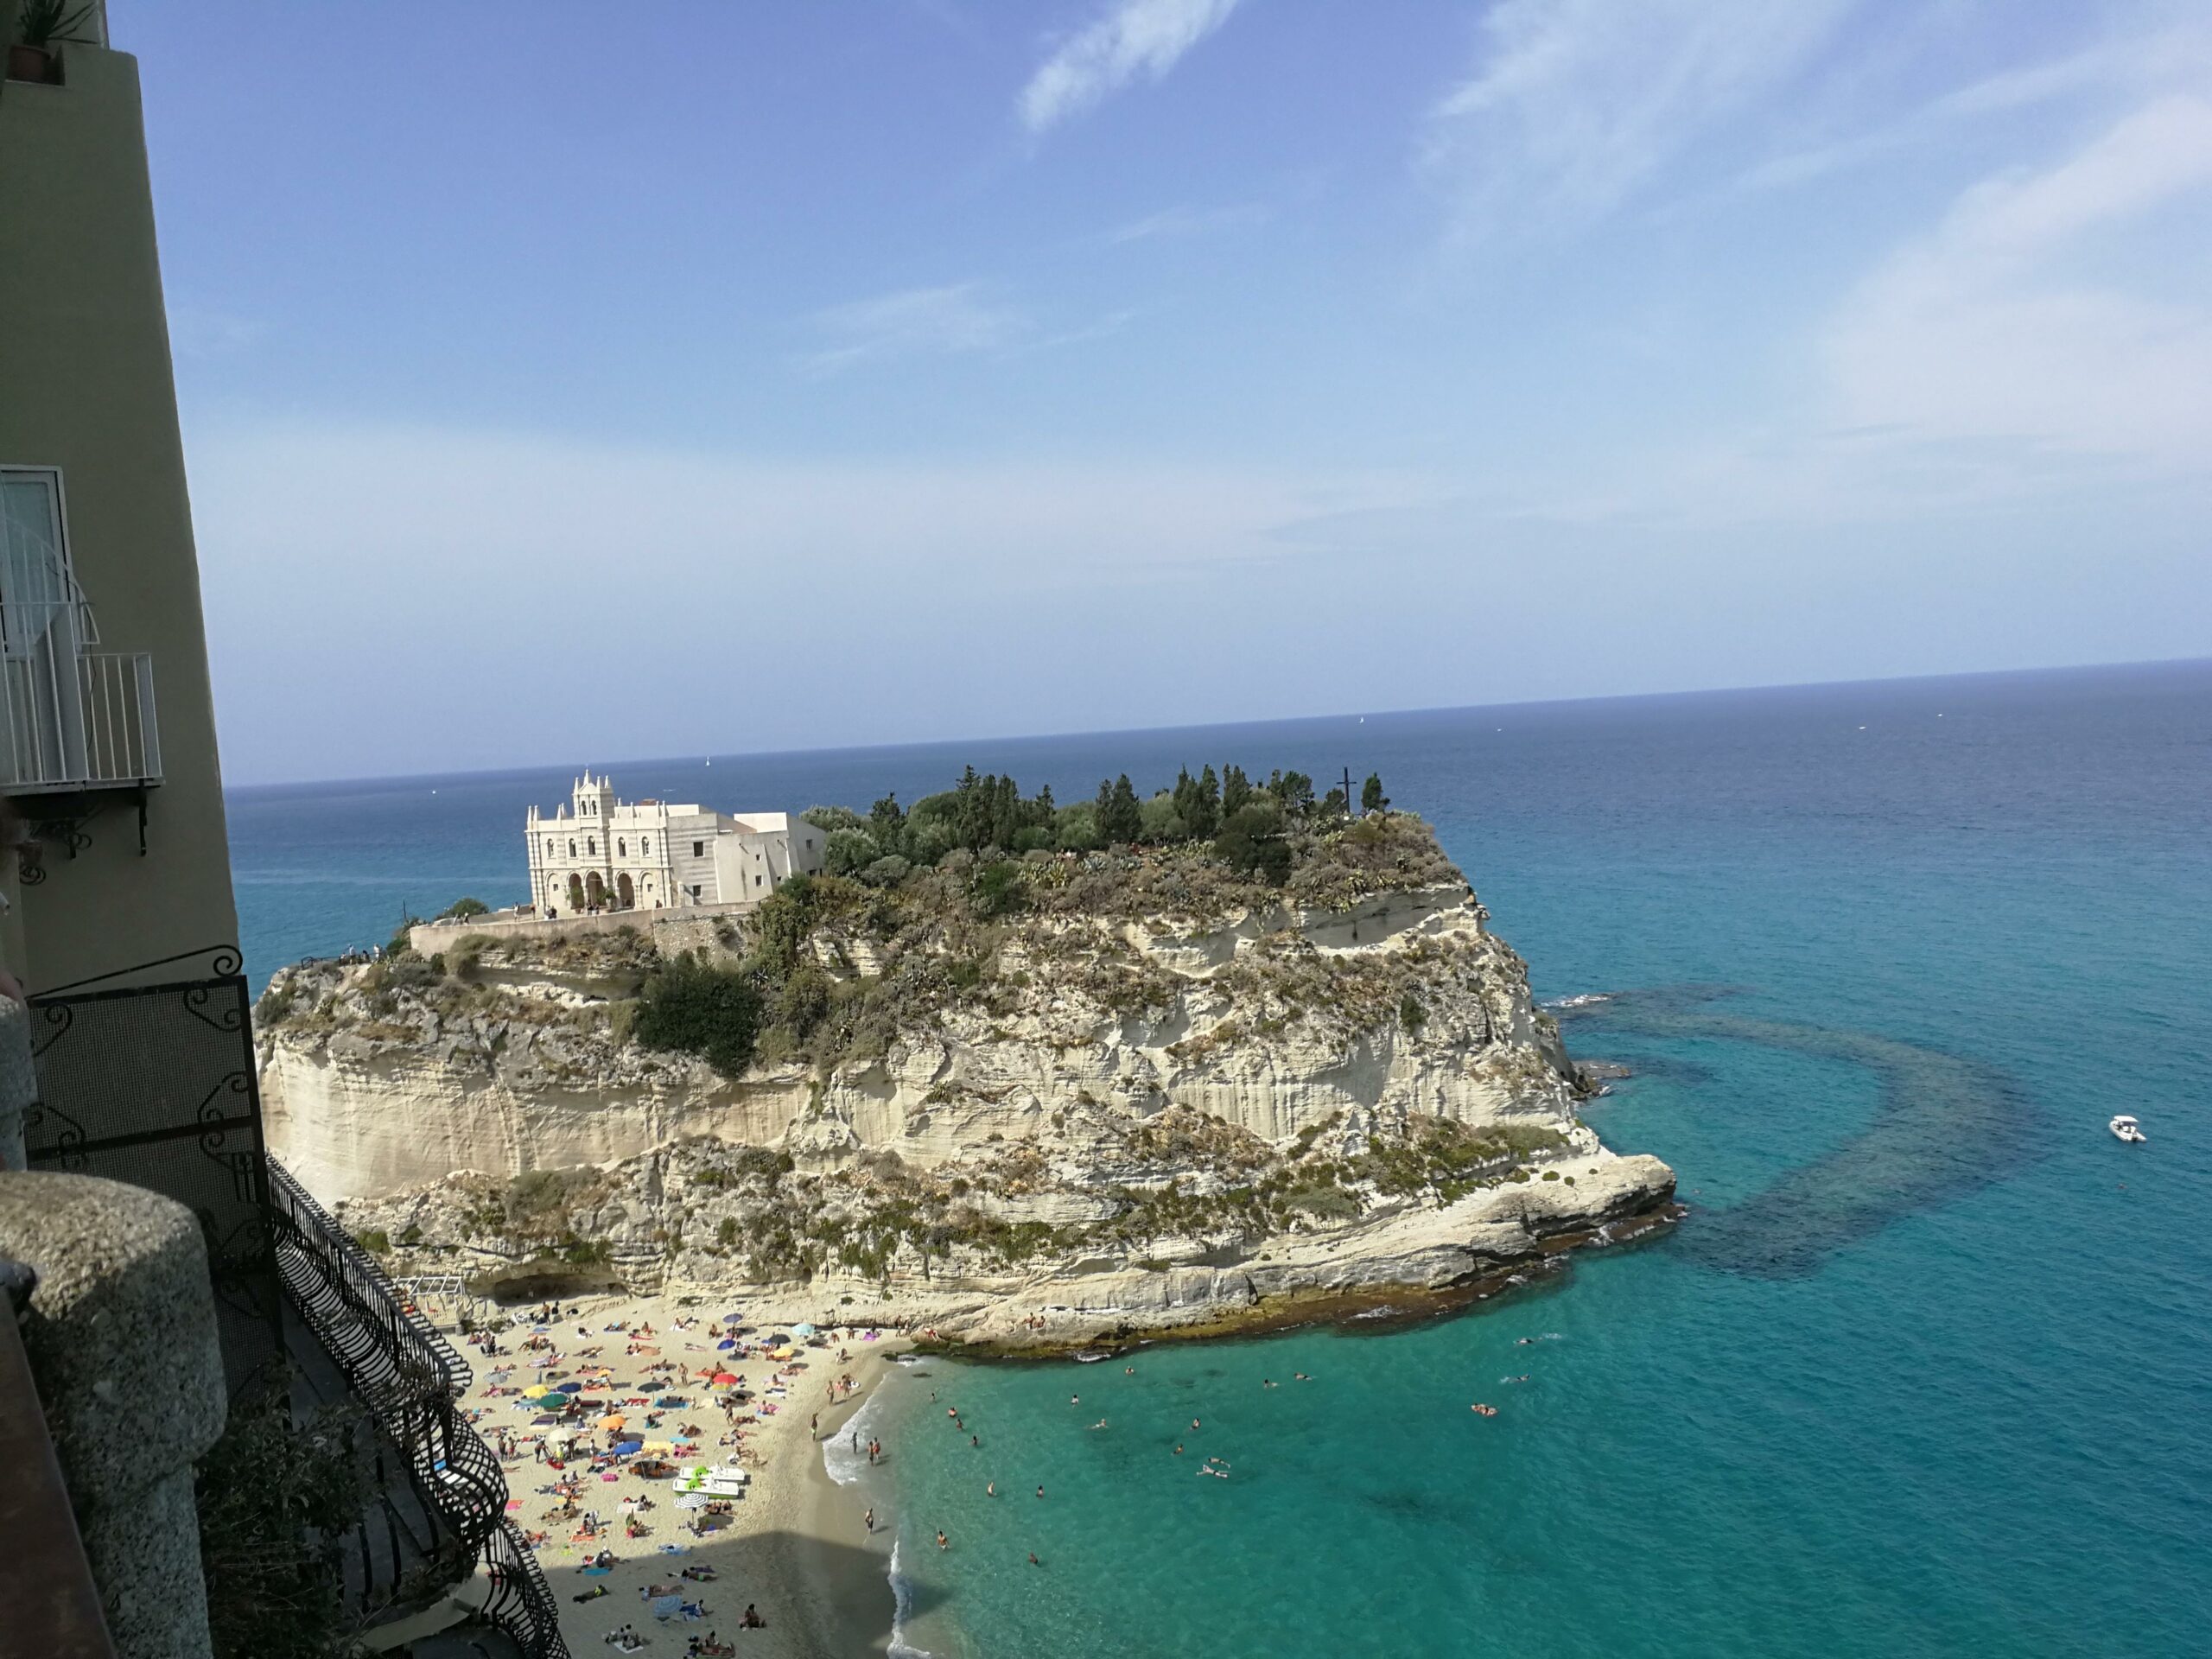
x: 153, y: 1084
x: 72, y: 719
x: 411, y: 1378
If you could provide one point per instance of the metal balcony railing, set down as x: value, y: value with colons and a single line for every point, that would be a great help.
x: 73, y: 719
x: 411, y: 1378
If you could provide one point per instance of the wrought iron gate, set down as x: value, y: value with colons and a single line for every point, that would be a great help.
x: 152, y: 1083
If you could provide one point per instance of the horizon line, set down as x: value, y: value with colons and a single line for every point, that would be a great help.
x: 1886, y: 680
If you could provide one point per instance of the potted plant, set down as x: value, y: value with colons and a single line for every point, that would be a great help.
x: 38, y: 25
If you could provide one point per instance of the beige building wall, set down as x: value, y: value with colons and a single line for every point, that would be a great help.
x: 86, y: 387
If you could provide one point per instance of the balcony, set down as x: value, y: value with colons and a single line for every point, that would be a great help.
x: 76, y: 720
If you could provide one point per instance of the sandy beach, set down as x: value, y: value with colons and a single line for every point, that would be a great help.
x: 795, y: 1545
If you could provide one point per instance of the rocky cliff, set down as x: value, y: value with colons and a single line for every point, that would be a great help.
x: 1128, y: 1086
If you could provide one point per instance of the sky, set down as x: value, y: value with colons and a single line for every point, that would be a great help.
x: 565, y: 382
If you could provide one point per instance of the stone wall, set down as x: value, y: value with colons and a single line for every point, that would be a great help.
x: 121, y: 1338
x: 691, y: 927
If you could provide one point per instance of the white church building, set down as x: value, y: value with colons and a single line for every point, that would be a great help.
x: 599, y: 854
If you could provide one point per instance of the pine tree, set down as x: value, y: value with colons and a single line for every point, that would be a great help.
x: 1203, y: 815
x: 1371, y: 797
x: 887, y: 822
x: 1006, y: 812
x: 1120, y: 817
x: 1236, y: 792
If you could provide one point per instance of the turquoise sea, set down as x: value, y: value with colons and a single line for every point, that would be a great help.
x: 1925, y: 1371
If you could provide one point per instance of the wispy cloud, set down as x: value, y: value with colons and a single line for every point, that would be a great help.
x: 2022, y: 317
x: 1183, y: 221
x: 1136, y: 37
x: 916, y: 322
x: 1575, y: 104
x: 949, y: 321
x: 2130, y: 67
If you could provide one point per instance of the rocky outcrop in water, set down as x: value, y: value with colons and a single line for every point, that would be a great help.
x: 1131, y: 1084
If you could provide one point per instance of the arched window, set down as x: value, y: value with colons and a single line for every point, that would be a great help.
x: 572, y: 846
x: 548, y: 846
x: 622, y: 849
x: 645, y: 846
x: 591, y: 845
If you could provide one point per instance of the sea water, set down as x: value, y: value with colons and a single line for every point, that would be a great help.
x: 1924, y: 1372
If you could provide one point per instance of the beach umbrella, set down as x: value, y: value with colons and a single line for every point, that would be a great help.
x: 613, y: 1419
x: 536, y: 1391
x: 624, y: 1448
x: 727, y: 1342
x: 724, y: 1379
x: 667, y: 1606
x: 732, y: 1319
x: 569, y: 1388
x: 802, y: 1330
x: 657, y: 1449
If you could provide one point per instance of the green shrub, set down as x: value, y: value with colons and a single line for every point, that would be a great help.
x: 714, y: 1013
x: 1324, y: 1203
x: 276, y: 1003
x: 1251, y: 843
x: 849, y: 850
x: 1075, y: 829
x: 375, y: 1241
x: 1411, y: 1014
x: 1162, y: 822
x: 462, y: 909
x: 997, y: 890
x: 726, y: 1233
x: 276, y: 1500
x: 885, y: 872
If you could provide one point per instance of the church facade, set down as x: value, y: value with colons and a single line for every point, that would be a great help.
x: 597, y: 853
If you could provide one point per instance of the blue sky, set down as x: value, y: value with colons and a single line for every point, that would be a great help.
x: 769, y: 376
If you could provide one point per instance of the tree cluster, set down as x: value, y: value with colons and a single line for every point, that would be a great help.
x: 1245, y: 820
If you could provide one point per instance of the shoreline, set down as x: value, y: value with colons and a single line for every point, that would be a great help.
x: 789, y: 1545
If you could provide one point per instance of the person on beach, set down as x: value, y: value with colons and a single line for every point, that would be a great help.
x: 1033, y: 1562
x: 869, y: 1520
x: 1194, y: 1425
x: 1040, y: 1491
x: 991, y: 1490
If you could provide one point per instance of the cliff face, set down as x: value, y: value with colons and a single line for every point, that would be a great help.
x: 1136, y: 1067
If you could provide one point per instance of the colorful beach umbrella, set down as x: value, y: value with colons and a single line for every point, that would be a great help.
x: 624, y: 1448
x: 724, y: 1379
x: 569, y: 1388
x: 802, y: 1330
x: 536, y: 1391
x: 727, y: 1342
x: 613, y: 1419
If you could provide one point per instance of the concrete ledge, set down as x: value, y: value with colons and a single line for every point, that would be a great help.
x: 121, y: 1339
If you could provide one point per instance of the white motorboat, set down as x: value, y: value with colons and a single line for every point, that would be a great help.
x: 2126, y: 1129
